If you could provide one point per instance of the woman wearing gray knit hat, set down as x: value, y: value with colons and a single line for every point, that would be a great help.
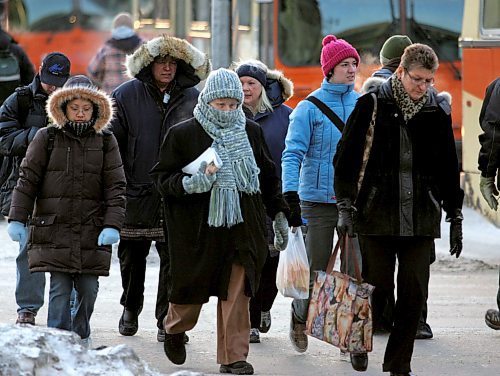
x: 216, y: 219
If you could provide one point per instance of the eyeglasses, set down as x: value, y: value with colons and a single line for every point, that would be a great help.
x: 419, y: 81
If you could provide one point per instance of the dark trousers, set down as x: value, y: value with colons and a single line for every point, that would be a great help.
x: 384, y: 318
x: 413, y: 255
x: 132, y: 255
x: 265, y: 295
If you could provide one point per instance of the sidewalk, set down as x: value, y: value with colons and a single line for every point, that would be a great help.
x: 461, y: 290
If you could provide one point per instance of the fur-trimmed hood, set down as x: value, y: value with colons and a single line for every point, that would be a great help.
x: 285, y: 83
x: 372, y: 83
x: 58, y: 100
x: 195, y: 65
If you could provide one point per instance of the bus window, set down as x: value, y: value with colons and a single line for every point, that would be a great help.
x: 303, y: 23
x: 490, y: 18
x: 299, y: 34
x: 36, y: 15
x: 99, y: 14
x: 438, y: 24
x: 63, y: 15
x: 154, y: 13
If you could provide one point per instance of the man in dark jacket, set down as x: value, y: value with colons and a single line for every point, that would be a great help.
x: 489, y: 162
x: 161, y: 94
x: 9, y: 47
x: 22, y: 114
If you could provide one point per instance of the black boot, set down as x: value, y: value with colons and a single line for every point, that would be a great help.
x: 174, y: 348
x: 424, y: 331
x: 359, y: 362
x: 129, y: 323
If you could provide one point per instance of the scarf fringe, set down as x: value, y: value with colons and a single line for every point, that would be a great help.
x: 224, y: 209
x: 246, y: 174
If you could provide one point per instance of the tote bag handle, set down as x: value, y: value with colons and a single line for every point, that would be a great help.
x: 349, y: 248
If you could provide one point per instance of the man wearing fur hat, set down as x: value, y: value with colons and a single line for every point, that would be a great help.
x: 160, y: 94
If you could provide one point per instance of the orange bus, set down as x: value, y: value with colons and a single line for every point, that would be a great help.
x: 286, y: 34
x: 480, y: 43
x: 78, y: 28
x: 300, y: 25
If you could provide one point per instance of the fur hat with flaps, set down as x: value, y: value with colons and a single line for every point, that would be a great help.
x: 80, y: 87
x: 193, y: 65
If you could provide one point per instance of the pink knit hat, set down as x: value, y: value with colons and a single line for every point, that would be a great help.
x: 334, y: 51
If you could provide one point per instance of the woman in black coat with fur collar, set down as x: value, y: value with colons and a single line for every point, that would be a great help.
x: 411, y: 174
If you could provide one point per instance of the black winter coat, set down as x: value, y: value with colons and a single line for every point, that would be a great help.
x: 489, y: 120
x: 17, y: 130
x: 412, y: 171
x: 140, y: 124
x: 201, y: 257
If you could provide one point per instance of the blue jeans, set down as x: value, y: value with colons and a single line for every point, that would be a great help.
x: 30, y: 287
x: 60, y: 312
x: 321, y: 223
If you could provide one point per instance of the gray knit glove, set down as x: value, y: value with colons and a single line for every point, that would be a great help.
x: 199, y: 182
x: 280, y: 227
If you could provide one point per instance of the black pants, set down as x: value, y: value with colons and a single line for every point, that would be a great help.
x: 384, y: 318
x: 264, y: 298
x: 132, y: 255
x: 413, y: 254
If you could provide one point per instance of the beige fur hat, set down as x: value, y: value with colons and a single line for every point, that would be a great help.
x: 195, y: 68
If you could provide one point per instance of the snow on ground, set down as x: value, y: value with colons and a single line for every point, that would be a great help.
x: 28, y: 350
x: 60, y: 353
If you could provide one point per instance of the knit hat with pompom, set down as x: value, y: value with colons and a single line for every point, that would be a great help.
x: 334, y: 51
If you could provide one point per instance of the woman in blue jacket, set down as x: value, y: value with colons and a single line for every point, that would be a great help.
x: 265, y: 92
x: 307, y: 167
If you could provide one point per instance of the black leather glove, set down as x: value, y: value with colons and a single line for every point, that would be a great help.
x: 293, y: 201
x: 345, y: 224
x: 489, y: 191
x: 455, y: 218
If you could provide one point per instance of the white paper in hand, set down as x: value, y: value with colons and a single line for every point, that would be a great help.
x: 209, y: 156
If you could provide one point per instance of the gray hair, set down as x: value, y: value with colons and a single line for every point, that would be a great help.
x: 419, y: 55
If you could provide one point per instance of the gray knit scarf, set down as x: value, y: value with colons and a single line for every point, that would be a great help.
x: 239, y: 171
x: 408, y: 106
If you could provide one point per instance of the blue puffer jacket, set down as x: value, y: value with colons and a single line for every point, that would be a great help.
x: 311, y: 143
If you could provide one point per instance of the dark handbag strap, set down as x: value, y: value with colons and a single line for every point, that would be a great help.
x: 349, y: 247
x: 327, y: 111
x: 368, y: 142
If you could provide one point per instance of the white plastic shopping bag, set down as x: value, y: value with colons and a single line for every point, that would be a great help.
x: 292, y: 277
